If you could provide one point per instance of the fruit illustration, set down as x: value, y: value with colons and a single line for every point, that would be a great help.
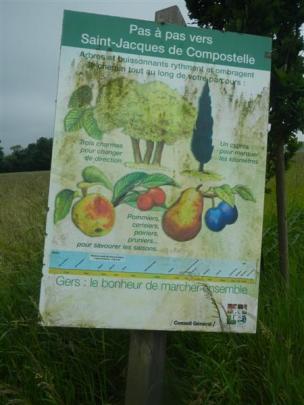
x: 214, y: 219
x: 217, y: 218
x: 183, y: 220
x: 144, y: 202
x: 94, y: 215
x: 153, y: 197
x: 229, y: 213
x: 158, y: 196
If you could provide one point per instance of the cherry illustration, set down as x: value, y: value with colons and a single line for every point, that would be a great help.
x: 158, y: 195
x: 144, y: 202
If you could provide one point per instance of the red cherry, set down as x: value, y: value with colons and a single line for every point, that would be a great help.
x: 158, y: 195
x: 144, y: 202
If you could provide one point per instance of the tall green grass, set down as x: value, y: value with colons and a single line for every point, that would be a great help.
x: 72, y: 366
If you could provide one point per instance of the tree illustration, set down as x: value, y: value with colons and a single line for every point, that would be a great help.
x: 150, y: 112
x: 201, y: 143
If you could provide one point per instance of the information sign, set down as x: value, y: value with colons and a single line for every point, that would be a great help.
x: 158, y: 175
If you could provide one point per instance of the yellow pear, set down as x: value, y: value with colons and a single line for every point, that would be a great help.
x: 183, y: 220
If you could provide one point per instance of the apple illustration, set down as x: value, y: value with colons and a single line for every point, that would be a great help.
x: 94, y: 215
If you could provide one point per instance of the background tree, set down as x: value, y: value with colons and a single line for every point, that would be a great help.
x: 281, y: 20
x: 1, y: 156
x: 36, y: 156
x: 201, y: 144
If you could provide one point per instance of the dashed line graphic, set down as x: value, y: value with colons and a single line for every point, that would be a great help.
x: 152, y: 266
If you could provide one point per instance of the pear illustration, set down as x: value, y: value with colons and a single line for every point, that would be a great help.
x: 183, y: 220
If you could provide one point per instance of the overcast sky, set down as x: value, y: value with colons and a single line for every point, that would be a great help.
x: 30, y: 33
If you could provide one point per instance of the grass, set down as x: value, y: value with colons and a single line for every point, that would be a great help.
x: 74, y: 366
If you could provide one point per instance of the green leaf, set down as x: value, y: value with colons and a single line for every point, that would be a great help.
x: 157, y: 180
x: 90, y: 125
x: 81, y: 97
x: 225, y: 193
x: 244, y: 192
x: 92, y: 174
x: 73, y: 119
x: 131, y: 198
x: 127, y: 183
x: 63, y: 203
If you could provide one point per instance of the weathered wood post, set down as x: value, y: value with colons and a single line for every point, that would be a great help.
x: 147, y: 349
x: 281, y: 210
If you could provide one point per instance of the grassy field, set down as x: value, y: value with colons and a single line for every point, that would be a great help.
x: 68, y: 366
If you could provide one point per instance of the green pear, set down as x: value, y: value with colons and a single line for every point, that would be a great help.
x: 183, y: 220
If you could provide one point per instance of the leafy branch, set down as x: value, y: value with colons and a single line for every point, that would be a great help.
x: 227, y: 193
x: 81, y: 113
x: 126, y: 189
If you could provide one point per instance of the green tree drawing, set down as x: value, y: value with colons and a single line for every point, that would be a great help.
x: 152, y: 112
x: 201, y: 143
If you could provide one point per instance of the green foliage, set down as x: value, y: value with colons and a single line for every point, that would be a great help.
x: 82, y: 117
x: 244, y: 192
x: 282, y: 21
x: 81, y: 97
x: 81, y: 114
x: 93, y: 174
x: 1, y: 158
x: 119, y: 103
x: 158, y: 180
x: 124, y: 189
x: 90, y: 124
x: 125, y: 184
x: 73, y: 119
x: 201, y: 143
x: 63, y: 204
x: 36, y: 156
x: 150, y: 111
x: 225, y: 193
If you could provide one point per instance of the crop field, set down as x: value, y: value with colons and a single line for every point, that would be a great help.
x: 84, y: 366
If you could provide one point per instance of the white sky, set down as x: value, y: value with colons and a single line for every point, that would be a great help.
x: 30, y: 32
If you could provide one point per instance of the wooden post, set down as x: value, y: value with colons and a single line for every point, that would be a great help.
x: 148, y: 348
x: 281, y: 210
x: 146, y: 367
